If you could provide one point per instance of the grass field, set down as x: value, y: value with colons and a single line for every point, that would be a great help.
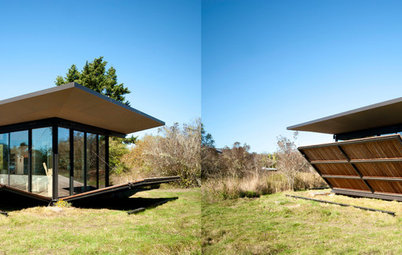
x: 171, y: 228
x: 276, y: 224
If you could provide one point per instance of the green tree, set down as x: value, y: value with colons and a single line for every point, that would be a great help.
x: 95, y: 76
x: 206, y: 138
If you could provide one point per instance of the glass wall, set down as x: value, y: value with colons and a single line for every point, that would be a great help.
x: 102, y: 162
x: 64, y: 162
x: 42, y: 161
x: 92, y: 158
x: 3, y: 158
x: 89, y: 164
x: 18, y: 166
x: 79, y: 162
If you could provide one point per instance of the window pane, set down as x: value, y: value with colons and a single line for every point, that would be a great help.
x: 3, y: 158
x: 19, y: 160
x: 79, y: 162
x: 42, y: 161
x: 102, y: 161
x: 91, y: 161
x: 64, y: 162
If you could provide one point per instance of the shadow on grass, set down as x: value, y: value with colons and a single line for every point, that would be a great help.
x: 123, y: 204
x: 127, y: 204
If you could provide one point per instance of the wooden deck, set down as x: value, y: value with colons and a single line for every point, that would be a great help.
x: 367, y: 167
x: 117, y: 191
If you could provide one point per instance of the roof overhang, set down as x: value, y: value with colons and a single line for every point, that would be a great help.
x: 384, y: 114
x: 76, y: 103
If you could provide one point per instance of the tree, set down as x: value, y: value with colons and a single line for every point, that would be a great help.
x: 206, y: 138
x: 95, y: 76
x: 290, y: 161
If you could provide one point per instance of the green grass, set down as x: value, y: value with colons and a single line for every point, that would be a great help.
x: 171, y: 228
x: 276, y: 224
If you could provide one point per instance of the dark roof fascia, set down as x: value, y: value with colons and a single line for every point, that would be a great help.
x: 369, y: 132
x: 342, y: 114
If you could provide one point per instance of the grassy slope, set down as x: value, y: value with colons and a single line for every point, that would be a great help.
x: 277, y: 224
x: 171, y: 228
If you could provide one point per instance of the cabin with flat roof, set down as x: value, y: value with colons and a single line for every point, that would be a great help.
x: 366, y: 158
x: 54, y: 144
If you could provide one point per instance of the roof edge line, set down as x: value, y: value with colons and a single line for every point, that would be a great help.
x: 360, y: 109
x: 77, y: 85
x: 36, y: 93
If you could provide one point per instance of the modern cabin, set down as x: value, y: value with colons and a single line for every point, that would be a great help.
x: 54, y: 143
x: 366, y: 158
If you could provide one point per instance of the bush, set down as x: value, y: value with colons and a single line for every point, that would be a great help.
x: 257, y: 185
x: 174, y: 152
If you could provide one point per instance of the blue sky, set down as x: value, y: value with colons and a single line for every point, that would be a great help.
x: 264, y: 65
x: 155, y: 47
x: 267, y: 65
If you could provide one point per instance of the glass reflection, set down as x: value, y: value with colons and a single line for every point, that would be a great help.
x: 3, y: 158
x: 102, y: 161
x: 91, y: 161
x: 42, y: 161
x: 64, y: 162
x: 79, y: 162
x: 19, y: 160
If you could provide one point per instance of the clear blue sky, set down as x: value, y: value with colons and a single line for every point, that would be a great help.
x: 264, y: 65
x: 155, y: 47
x: 267, y: 65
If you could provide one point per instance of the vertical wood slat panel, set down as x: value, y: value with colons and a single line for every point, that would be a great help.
x: 384, y: 147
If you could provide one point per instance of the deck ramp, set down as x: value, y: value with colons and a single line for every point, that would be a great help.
x: 9, y: 194
x: 366, y: 167
x: 122, y: 190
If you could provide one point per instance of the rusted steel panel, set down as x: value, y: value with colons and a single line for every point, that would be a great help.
x: 324, y: 153
x: 336, y: 169
x: 374, y: 149
x: 386, y: 186
x: 385, y: 169
x: 367, y: 165
x: 348, y: 184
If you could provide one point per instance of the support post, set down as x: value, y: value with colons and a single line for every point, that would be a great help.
x: 71, y: 162
x: 107, y: 160
x: 55, y: 135
x: 85, y: 162
x: 30, y: 160
x: 97, y: 161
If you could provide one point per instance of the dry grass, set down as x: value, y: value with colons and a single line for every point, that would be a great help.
x: 276, y: 224
x: 258, y: 184
x: 171, y: 228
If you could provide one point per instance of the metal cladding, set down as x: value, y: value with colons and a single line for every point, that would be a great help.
x: 366, y: 167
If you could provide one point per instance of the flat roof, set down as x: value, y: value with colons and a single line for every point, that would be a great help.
x: 77, y: 103
x: 378, y: 115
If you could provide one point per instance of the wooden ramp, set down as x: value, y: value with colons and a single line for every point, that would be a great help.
x: 10, y: 195
x: 367, y: 167
x: 121, y: 190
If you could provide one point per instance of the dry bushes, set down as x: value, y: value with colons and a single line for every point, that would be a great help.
x: 238, y: 173
x: 175, y: 151
x: 256, y: 185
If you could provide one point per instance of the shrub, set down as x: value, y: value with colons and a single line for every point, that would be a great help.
x: 174, y: 152
x: 257, y: 185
